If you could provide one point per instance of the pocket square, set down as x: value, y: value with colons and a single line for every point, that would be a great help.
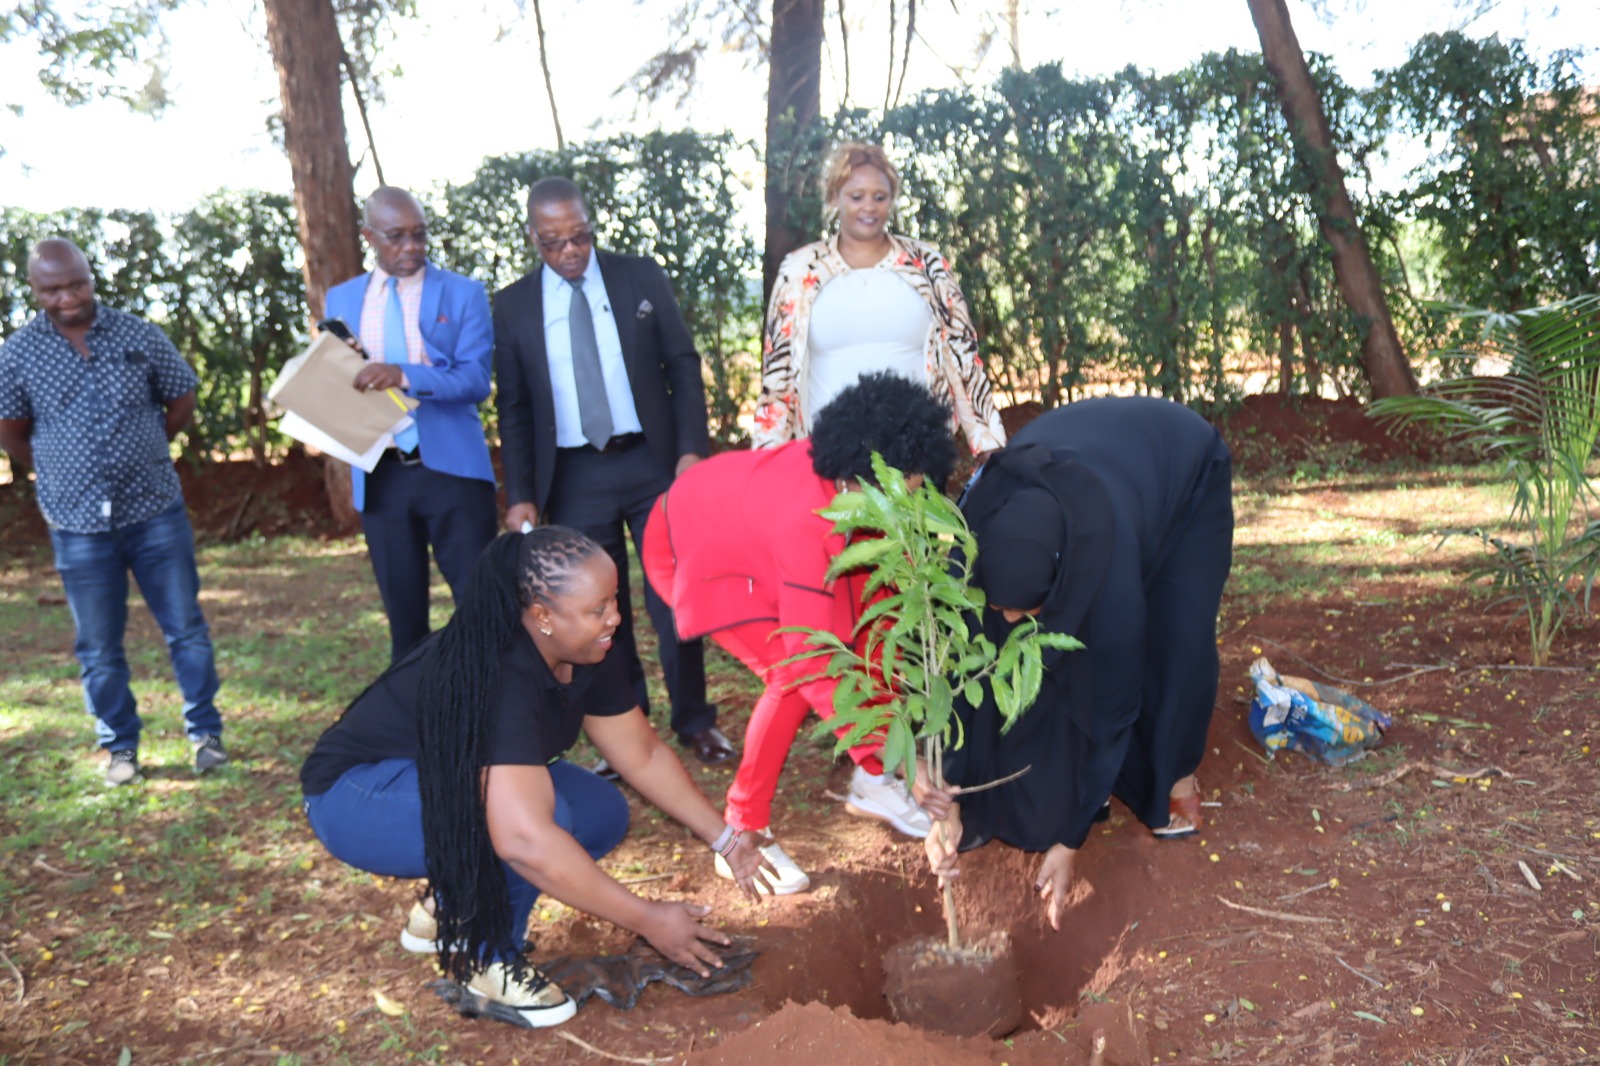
x: 645, y: 310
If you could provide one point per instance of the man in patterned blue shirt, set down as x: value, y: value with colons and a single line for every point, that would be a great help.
x: 90, y: 398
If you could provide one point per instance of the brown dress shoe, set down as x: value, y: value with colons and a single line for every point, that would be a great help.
x: 709, y: 746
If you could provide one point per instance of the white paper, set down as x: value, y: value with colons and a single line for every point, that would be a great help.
x: 306, y: 433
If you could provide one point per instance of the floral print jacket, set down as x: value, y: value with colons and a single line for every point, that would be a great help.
x: 955, y: 372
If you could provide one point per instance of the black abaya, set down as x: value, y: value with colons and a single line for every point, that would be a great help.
x: 1145, y: 490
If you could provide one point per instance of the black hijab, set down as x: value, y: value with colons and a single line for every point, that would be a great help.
x: 1044, y: 528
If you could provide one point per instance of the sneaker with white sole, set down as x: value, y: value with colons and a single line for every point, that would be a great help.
x: 886, y: 798
x: 537, y: 1000
x: 421, y: 933
x: 790, y: 879
x: 209, y: 754
x: 122, y: 767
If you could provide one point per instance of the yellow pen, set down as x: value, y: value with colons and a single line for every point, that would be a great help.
x: 398, y: 402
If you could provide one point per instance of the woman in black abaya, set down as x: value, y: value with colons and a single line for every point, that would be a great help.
x: 1111, y: 520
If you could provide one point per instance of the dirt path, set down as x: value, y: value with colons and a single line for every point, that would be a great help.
x: 1323, y: 916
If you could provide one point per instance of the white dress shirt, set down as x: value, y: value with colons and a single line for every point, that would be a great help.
x: 558, y: 351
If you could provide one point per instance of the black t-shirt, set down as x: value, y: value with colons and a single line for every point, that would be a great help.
x: 537, y: 718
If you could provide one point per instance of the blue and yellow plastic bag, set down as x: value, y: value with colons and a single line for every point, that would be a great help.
x: 1326, y: 723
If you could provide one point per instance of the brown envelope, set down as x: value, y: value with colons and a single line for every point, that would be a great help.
x: 316, y: 386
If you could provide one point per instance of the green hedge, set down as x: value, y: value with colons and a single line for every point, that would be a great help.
x: 1129, y: 231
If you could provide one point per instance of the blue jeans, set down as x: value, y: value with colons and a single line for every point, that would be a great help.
x: 94, y: 570
x: 372, y: 819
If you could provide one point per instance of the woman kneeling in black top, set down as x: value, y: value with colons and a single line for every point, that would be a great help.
x: 450, y: 766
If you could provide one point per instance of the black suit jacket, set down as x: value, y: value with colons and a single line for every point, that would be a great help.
x: 663, y: 371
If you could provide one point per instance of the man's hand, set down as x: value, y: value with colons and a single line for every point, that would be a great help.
x: 519, y: 514
x: 943, y: 843
x: 686, y: 461
x: 1053, y: 881
x: 379, y: 376
x: 674, y: 930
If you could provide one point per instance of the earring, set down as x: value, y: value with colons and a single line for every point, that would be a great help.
x: 546, y: 632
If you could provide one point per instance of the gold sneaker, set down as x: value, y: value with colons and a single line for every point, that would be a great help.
x: 536, y: 999
x: 421, y: 933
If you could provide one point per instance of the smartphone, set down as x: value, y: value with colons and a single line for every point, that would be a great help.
x: 337, y: 327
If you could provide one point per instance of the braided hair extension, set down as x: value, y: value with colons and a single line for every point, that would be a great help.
x: 456, y: 699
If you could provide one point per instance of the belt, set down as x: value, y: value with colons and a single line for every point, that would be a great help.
x: 411, y: 458
x: 620, y: 443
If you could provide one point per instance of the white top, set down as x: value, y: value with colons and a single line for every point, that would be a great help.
x: 558, y: 351
x: 863, y: 321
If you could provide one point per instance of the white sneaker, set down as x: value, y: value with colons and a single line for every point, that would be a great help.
x: 421, y: 933
x: 790, y: 879
x: 886, y: 798
x: 537, y: 1000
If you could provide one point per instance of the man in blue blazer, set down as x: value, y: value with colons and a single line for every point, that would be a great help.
x: 425, y: 331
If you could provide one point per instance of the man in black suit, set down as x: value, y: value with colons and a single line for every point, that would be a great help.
x: 601, y: 405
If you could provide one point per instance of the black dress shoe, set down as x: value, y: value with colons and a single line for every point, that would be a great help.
x: 709, y: 746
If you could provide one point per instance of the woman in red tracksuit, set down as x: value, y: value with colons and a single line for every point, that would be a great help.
x: 738, y: 550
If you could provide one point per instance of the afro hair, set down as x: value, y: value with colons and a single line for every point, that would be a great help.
x: 888, y: 414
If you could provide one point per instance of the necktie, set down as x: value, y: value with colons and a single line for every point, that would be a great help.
x: 594, y: 406
x: 395, y: 351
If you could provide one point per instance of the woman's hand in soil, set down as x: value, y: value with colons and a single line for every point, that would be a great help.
x: 674, y: 929
x: 943, y: 842
x: 750, y: 867
x: 1053, y: 882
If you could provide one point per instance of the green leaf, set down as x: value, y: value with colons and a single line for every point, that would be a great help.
x: 898, y: 749
x: 861, y: 553
x: 1004, y: 698
x: 1061, y: 641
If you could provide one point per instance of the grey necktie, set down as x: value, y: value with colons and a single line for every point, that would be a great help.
x: 594, y: 406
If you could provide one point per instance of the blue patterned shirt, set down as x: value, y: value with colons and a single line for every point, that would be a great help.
x: 99, y: 424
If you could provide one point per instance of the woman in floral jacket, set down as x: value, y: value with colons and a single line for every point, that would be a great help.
x: 867, y: 300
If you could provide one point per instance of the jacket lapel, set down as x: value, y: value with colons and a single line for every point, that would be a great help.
x: 433, y: 282
x: 531, y: 324
x: 624, y: 302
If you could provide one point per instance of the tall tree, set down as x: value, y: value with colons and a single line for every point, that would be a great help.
x: 308, y: 52
x: 87, y: 50
x: 1387, y: 370
x: 794, y: 104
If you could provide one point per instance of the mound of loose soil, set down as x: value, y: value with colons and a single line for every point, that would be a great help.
x: 814, y: 1033
x: 1270, y: 434
x: 228, y: 500
x: 1273, y: 434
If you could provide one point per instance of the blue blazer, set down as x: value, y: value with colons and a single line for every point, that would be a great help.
x: 457, y: 337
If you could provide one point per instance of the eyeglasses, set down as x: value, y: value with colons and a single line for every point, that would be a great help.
x: 559, y: 245
x: 400, y: 236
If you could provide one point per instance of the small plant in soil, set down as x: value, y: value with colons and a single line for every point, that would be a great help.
x: 922, y: 647
x: 1542, y: 420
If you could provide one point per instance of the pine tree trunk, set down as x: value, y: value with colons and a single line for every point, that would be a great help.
x: 794, y: 102
x: 307, y: 51
x: 1387, y: 370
